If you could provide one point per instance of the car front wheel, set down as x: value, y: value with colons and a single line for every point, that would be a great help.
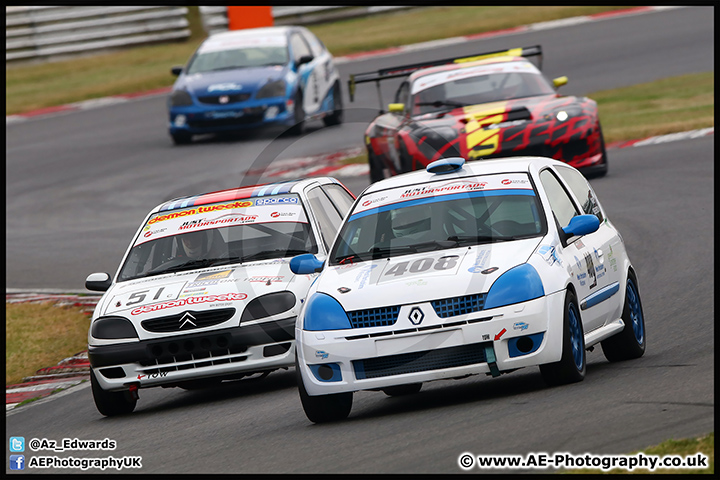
x: 571, y: 367
x: 111, y: 403
x: 181, y: 138
x: 336, y: 117
x: 323, y: 408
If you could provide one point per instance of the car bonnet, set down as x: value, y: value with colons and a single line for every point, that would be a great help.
x: 205, y: 289
x: 423, y: 277
x: 238, y: 80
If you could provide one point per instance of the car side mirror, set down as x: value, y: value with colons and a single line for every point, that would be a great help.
x: 305, y: 59
x: 306, y: 264
x: 582, y: 225
x: 176, y: 70
x: 560, y: 81
x: 396, y: 107
x: 98, y: 282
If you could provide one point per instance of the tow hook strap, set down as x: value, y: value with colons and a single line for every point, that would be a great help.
x: 491, y: 361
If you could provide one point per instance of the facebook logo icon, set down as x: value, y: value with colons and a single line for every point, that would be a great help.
x: 17, y: 462
x: 17, y: 444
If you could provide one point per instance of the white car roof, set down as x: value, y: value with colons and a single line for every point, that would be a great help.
x: 471, y: 168
x: 252, y: 32
x: 250, y: 191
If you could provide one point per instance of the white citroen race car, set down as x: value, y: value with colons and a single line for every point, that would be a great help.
x: 463, y: 269
x: 204, y: 293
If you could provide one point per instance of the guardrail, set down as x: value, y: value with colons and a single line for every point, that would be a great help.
x: 57, y: 32
x: 215, y: 19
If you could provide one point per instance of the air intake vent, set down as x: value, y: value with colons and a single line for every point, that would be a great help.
x: 188, y: 320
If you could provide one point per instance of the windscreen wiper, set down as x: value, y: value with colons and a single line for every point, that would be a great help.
x: 441, y: 103
x: 277, y: 253
x: 478, y: 238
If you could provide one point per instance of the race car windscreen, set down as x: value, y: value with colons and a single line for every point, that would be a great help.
x: 226, y: 54
x: 441, y: 215
x: 476, y: 85
x: 220, y: 234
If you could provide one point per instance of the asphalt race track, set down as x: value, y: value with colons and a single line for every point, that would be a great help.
x: 78, y: 185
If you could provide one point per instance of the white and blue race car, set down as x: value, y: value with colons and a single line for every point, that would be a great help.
x: 465, y: 268
x: 204, y: 292
x: 255, y: 77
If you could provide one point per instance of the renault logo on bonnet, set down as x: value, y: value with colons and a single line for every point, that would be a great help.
x: 416, y: 316
x: 185, y: 319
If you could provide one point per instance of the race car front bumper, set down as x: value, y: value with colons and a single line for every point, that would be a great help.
x: 174, y: 359
x: 490, y: 341
x: 212, y: 119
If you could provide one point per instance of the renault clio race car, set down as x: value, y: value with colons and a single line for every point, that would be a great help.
x: 460, y: 269
x: 495, y: 104
x: 204, y: 293
x: 255, y: 78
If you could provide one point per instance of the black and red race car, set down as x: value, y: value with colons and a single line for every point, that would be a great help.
x: 489, y: 105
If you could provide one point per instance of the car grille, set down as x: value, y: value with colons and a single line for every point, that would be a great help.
x: 173, y: 323
x: 215, y: 99
x: 195, y: 351
x: 374, y: 317
x: 449, y: 307
x: 225, y: 122
x: 420, y: 361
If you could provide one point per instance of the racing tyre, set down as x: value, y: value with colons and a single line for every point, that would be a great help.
x: 399, y: 390
x: 111, y: 403
x: 323, y: 408
x: 630, y: 342
x: 299, y: 118
x: 376, y: 167
x: 336, y: 117
x: 571, y: 367
x: 405, y: 159
x: 602, y: 169
x: 181, y: 138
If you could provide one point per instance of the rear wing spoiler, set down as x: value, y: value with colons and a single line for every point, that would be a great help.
x: 404, y: 70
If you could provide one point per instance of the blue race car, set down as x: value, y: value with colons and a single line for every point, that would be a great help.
x: 254, y: 78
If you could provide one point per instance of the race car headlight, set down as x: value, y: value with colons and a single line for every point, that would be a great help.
x: 519, y: 284
x: 268, y: 305
x: 323, y: 312
x: 272, y: 89
x: 111, y: 328
x: 180, y: 98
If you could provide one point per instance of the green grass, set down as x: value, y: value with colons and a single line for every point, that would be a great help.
x: 669, y: 105
x: 40, y: 335
x: 30, y: 87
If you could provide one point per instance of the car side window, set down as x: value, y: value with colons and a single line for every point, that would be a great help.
x: 582, y: 190
x: 403, y: 94
x: 340, y: 198
x: 317, y: 47
x: 560, y: 202
x: 299, y: 46
x: 327, y: 216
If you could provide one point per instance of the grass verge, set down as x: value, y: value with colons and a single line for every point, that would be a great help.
x: 39, y: 335
x: 31, y: 87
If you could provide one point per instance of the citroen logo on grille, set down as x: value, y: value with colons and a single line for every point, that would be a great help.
x: 416, y: 316
x: 223, y: 99
x: 185, y: 319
